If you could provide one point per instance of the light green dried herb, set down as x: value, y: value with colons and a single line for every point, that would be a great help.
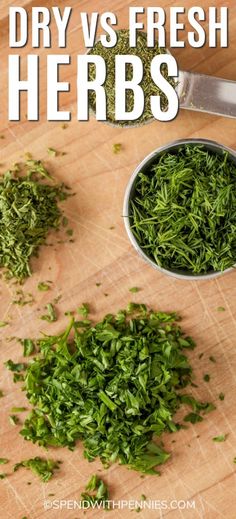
x: 28, y: 211
x: 183, y: 211
x: 18, y: 409
x: 220, y: 438
x: 43, y: 286
x: 146, y: 54
x: 114, y: 385
x: 51, y: 316
x: 117, y: 148
x: 52, y: 152
x: 3, y: 461
x: 221, y: 309
x: 3, y: 324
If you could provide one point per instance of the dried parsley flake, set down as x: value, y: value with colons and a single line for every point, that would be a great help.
x: 28, y: 211
x: 146, y: 54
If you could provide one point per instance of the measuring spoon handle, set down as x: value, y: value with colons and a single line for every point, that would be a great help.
x: 207, y: 94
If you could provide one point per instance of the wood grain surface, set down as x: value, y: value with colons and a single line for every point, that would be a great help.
x: 199, y: 469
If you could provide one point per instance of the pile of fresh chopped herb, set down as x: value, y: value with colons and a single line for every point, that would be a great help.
x: 28, y: 211
x: 114, y: 385
x: 146, y: 54
x: 183, y: 211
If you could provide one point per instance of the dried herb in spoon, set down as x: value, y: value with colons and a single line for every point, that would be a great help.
x: 146, y: 54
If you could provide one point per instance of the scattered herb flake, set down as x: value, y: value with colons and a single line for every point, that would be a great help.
x: 193, y: 418
x: 212, y: 359
x: 221, y: 396
x: 84, y: 310
x: 12, y: 366
x: 97, y: 492
x: 14, y: 420
x: 51, y: 316
x: 117, y: 147
x: 3, y: 475
x: 41, y: 467
x: 43, y: 286
x: 3, y: 323
x: 65, y: 221
x: 52, y: 152
x: 220, y: 438
x: 134, y: 290
x: 221, y: 309
x: 3, y: 461
x: 28, y: 346
x: 206, y: 377
x: 23, y: 299
x: 18, y: 409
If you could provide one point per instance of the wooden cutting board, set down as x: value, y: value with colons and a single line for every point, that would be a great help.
x: 199, y: 469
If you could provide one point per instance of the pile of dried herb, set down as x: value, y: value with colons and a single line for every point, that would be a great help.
x: 113, y: 385
x: 183, y: 212
x: 146, y: 54
x: 28, y: 211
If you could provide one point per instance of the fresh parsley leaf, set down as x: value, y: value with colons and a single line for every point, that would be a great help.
x: 43, y: 468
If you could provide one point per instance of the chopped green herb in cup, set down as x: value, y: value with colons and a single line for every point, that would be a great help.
x: 183, y: 210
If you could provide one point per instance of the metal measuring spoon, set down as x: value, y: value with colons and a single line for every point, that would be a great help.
x: 209, y: 94
x: 198, y: 92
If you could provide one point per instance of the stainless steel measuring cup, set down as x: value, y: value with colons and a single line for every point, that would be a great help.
x: 130, y: 193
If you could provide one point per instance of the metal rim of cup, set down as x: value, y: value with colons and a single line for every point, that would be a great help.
x: 212, y: 145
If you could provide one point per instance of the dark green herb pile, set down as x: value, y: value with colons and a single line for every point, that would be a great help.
x: 146, y: 54
x: 113, y: 385
x: 28, y: 211
x: 183, y: 213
